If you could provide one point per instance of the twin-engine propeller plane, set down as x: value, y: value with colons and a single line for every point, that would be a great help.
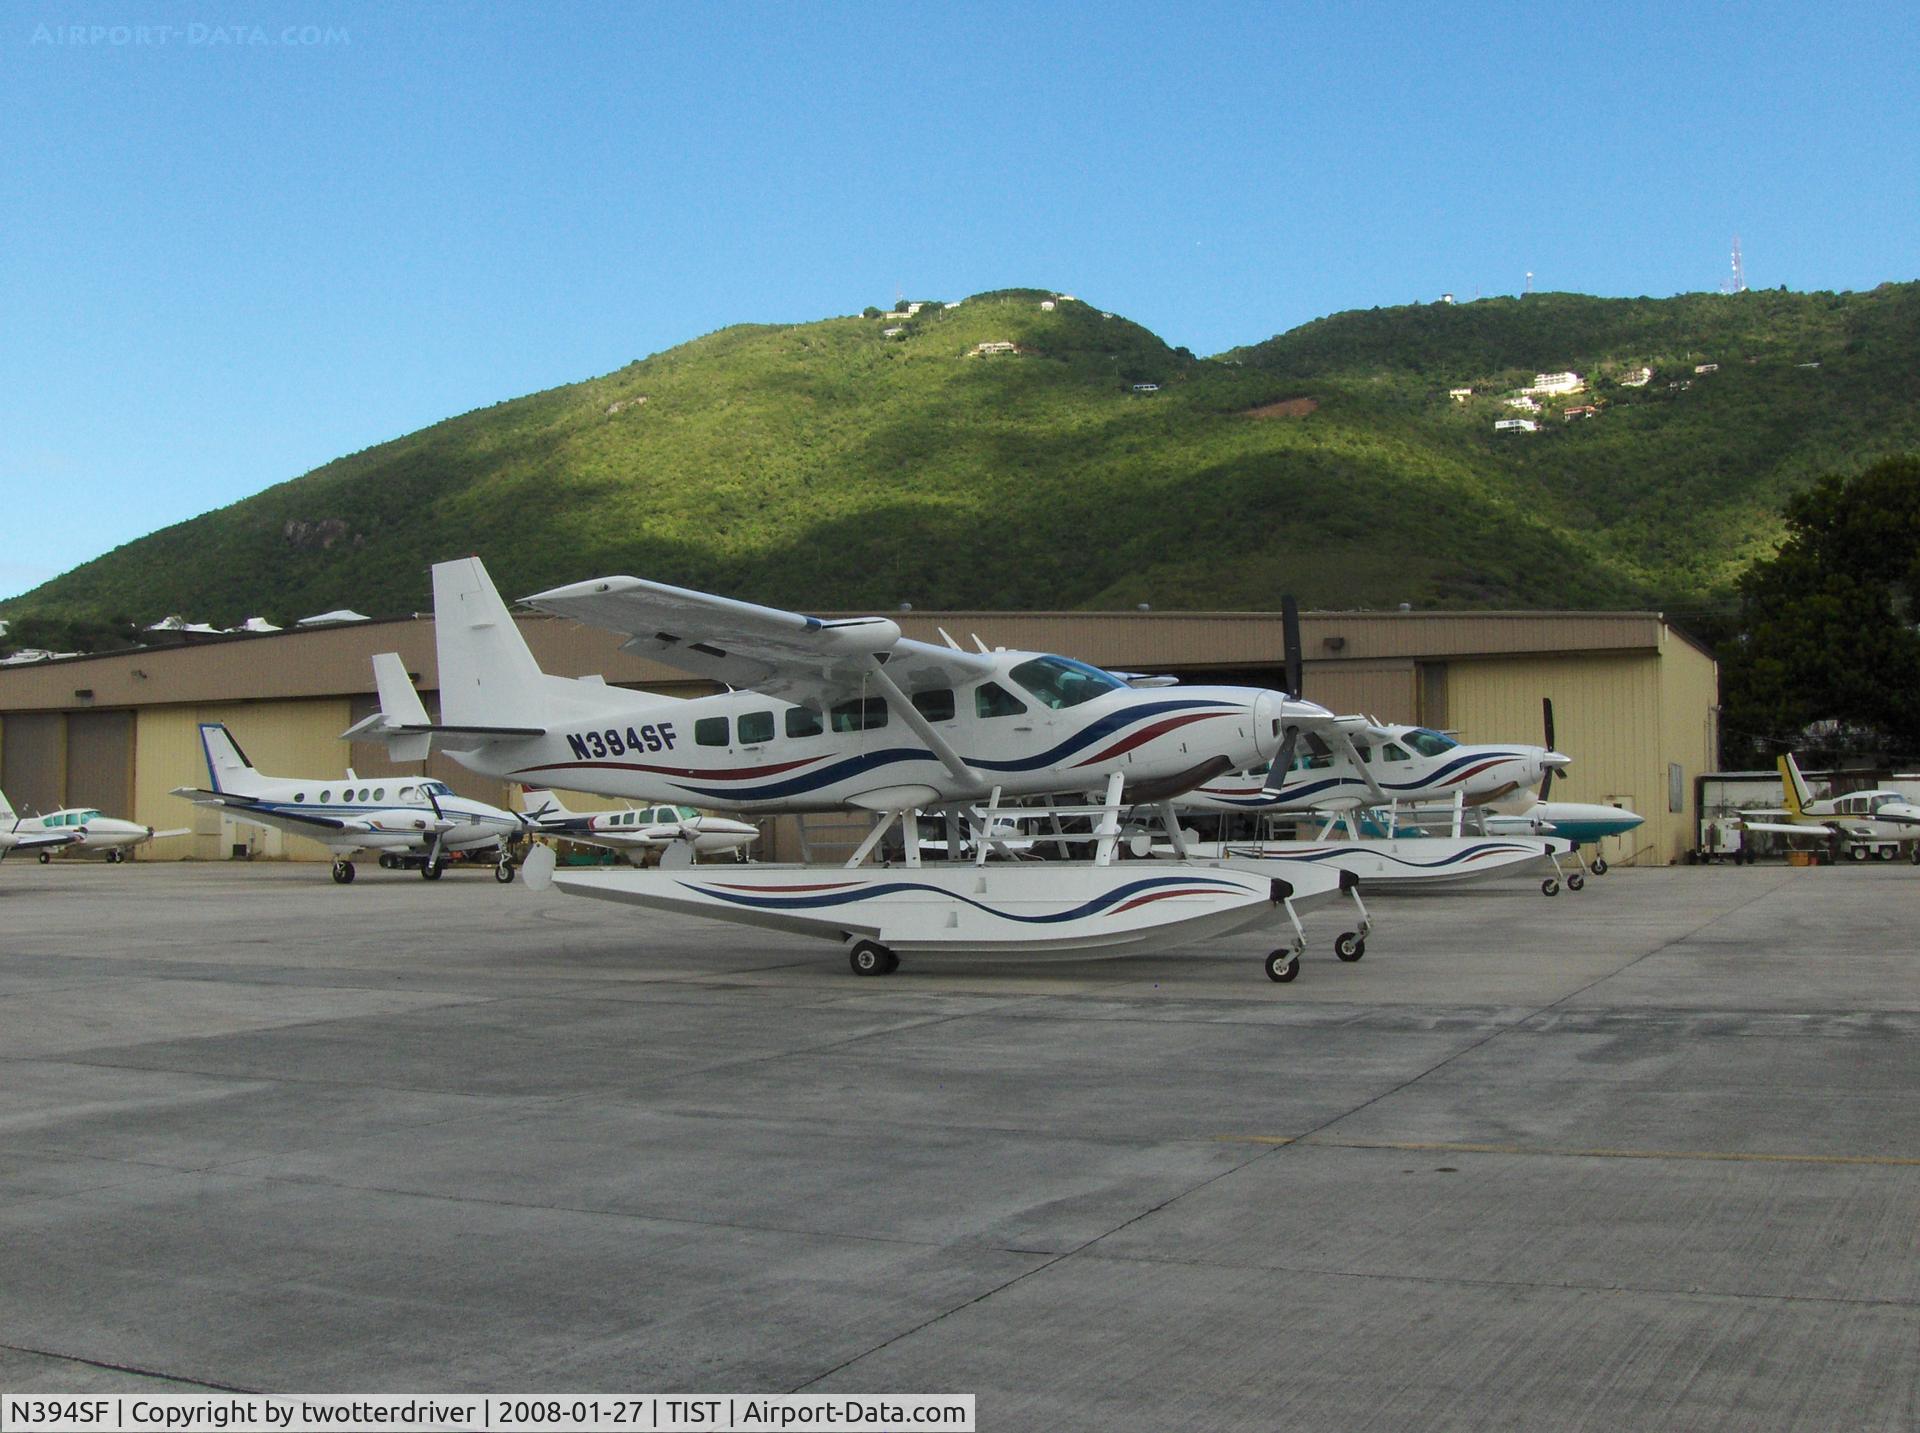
x: 665, y: 829
x: 826, y: 714
x: 21, y: 833
x: 1863, y: 823
x: 84, y: 831
x: 409, y: 821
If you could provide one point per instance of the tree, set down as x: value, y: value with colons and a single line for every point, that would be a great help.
x: 1828, y: 622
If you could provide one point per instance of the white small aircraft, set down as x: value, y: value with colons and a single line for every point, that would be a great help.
x: 91, y: 833
x: 824, y: 715
x: 408, y: 820
x: 1865, y: 823
x: 652, y: 828
x: 17, y: 835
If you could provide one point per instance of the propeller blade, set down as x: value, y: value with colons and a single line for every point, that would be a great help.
x: 1290, y: 635
x: 1546, y: 715
x: 1282, y: 764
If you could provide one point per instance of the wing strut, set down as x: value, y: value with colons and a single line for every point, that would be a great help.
x: 922, y: 728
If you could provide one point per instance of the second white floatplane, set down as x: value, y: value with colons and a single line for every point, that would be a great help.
x: 1027, y: 909
x: 1403, y: 862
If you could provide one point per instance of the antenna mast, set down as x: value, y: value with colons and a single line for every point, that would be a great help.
x: 1739, y: 270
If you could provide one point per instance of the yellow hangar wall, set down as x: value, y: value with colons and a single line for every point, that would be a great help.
x: 1627, y: 720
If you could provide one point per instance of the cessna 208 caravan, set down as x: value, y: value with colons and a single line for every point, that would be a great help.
x: 830, y: 714
x: 407, y: 820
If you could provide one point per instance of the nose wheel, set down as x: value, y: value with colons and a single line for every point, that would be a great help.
x: 503, y: 872
x: 343, y: 873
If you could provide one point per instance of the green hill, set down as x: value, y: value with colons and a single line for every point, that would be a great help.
x: 829, y: 465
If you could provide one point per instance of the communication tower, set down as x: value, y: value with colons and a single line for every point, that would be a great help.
x: 1739, y: 270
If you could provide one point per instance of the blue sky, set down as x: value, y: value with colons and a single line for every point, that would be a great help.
x: 240, y: 241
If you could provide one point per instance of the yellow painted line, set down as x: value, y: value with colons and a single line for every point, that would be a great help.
x: 1444, y: 1147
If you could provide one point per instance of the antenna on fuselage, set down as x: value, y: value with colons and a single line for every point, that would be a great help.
x: 947, y: 637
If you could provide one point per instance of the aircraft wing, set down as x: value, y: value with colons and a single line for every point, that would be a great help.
x: 40, y: 840
x: 812, y: 661
x: 1789, y: 828
x: 244, y: 806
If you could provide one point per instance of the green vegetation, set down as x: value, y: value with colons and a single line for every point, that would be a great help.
x: 820, y: 465
x: 1828, y: 661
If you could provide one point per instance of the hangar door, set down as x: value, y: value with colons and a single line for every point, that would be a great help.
x: 100, y: 761
x: 33, y: 761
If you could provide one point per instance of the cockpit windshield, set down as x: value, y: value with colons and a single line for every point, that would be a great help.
x: 1887, y: 798
x: 438, y: 788
x: 1062, y: 682
x: 1427, y: 743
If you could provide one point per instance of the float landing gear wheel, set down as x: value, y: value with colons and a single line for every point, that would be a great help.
x: 1576, y: 882
x: 1351, y: 945
x: 1599, y: 865
x: 343, y: 873
x: 1550, y: 887
x: 503, y: 872
x: 869, y: 957
x: 1282, y: 965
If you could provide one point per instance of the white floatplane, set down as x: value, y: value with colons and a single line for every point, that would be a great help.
x: 831, y: 714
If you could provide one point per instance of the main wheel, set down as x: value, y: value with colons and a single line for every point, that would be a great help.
x: 1576, y: 882
x: 869, y: 957
x: 45, y: 856
x: 503, y: 872
x: 1599, y: 865
x: 343, y: 873
x: 1350, y: 945
x: 114, y: 858
x: 433, y: 870
x: 1916, y: 853
x: 1550, y: 887
x: 1857, y: 853
x: 1282, y: 965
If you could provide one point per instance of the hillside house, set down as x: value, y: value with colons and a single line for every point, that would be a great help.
x: 1551, y: 383
x: 1706, y: 368
x: 994, y: 346
x: 1584, y: 410
x: 1524, y: 404
x: 1459, y: 395
x: 1637, y: 378
x: 1146, y: 388
x: 1515, y: 425
x: 893, y: 332
x: 1046, y: 305
x: 913, y: 309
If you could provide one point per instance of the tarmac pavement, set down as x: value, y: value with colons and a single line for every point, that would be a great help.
x: 1648, y: 1155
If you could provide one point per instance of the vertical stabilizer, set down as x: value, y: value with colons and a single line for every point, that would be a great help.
x: 400, y: 705
x: 542, y: 804
x: 487, y: 673
x: 6, y: 809
x: 1799, y: 798
x: 227, y: 766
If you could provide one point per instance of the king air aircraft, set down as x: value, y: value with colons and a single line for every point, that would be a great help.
x: 408, y: 821
x: 830, y: 714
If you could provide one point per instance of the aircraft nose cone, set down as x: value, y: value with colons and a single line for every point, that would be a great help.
x: 1555, y: 761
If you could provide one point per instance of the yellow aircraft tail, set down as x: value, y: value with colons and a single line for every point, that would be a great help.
x: 1795, y: 787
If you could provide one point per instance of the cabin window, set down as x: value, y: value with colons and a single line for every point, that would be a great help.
x: 990, y: 699
x: 756, y: 727
x: 935, y: 705
x: 1061, y: 682
x: 1393, y: 752
x: 1428, y: 743
x: 710, y: 731
x: 379, y: 793
x: 326, y: 796
x: 409, y: 793
x: 365, y: 793
x: 299, y: 796
x: 803, y: 721
x: 861, y: 714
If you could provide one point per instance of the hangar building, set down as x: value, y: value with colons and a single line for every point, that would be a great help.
x: 1634, y: 702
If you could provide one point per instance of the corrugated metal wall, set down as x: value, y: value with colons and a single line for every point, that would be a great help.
x: 33, y: 761
x: 100, y: 761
